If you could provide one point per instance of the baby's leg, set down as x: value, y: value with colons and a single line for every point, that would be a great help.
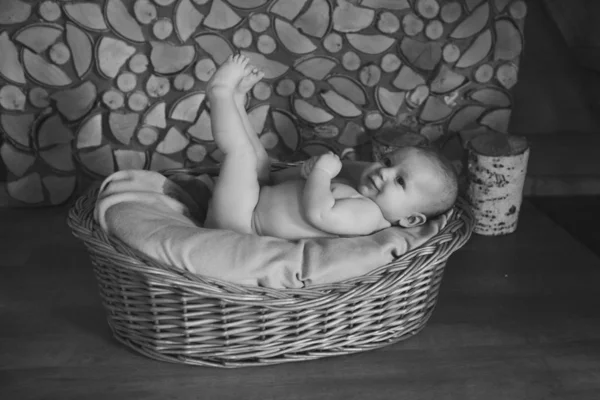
x: 236, y: 192
x: 252, y: 76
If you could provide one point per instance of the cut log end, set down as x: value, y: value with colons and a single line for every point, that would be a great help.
x: 451, y: 53
x: 113, y: 99
x: 311, y: 113
x: 90, y: 132
x: 412, y: 25
x: 60, y: 53
x: 451, y: 12
x: 138, y: 63
x: 145, y: 12
x: 484, y: 73
x: 259, y: 22
x: 507, y: 75
x: 351, y: 61
x: 261, y: 91
x: 266, y: 44
x: 147, y: 135
x: 74, y: 103
x: 370, y: 75
x: 88, y: 15
x: 316, y: 68
x: 388, y: 23
x: 428, y: 8
x: 162, y: 28
x: 434, y: 29
x: 12, y: 98
x: 518, y: 9
x: 39, y: 97
x: 306, y: 88
x: 137, y: 101
x: 472, y: 24
x: 157, y: 86
x: 269, y: 140
x: 373, y: 120
x: 173, y: 142
x: 120, y: 19
x: 156, y: 115
x: 126, y: 82
x: 390, y: 62
x: 184, y: 82
x: 50, y: 11
x: 339, y: 104
x: 242, y: 38
x: 196, y: 153
x: 204, y: 70
x: 167, y: 58
x: 111, y: 55
x: 285, y: 87
x: 221, y: 16
x: 186, y: 108
x: 122, y: 125
x: 494, y: 144
x: 333, y: 42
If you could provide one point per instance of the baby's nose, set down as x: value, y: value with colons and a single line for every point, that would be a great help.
x: 386, y: 173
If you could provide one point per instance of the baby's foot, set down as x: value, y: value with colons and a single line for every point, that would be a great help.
x: 251, y: 76
x: 227, y: 77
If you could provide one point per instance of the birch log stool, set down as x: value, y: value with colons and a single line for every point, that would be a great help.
x: 496, y: 169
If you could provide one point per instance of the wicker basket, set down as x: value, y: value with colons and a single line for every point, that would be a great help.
x: 173, y: 315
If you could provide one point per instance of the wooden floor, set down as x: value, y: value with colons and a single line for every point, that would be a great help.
x: 517, y: 318
x: 578, y: 215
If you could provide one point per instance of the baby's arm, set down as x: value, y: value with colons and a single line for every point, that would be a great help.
x: 286, y: 174
x: 351, y: 216
x: 351, y: 170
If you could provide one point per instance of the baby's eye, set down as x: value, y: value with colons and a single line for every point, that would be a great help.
x: 387, y: 162
x: 400, y: 181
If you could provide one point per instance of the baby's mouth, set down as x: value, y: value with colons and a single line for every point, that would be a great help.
x: 373, y: 183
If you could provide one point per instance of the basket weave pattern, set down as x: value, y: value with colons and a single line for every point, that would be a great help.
x: 173, y: 315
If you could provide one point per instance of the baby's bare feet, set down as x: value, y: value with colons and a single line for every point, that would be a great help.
x: 226, y: 79
x: 251, y: 76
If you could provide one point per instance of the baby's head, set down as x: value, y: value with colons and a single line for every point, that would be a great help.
x: 411, y: 185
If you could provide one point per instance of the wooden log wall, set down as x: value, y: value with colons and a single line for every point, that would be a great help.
x: 91, y: 87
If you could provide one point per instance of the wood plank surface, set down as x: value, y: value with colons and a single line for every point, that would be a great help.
x: 516, y: 319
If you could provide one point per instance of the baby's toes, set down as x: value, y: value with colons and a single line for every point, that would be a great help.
x: 243, y: 60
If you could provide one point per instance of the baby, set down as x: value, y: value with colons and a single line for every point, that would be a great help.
x: 405, y: 188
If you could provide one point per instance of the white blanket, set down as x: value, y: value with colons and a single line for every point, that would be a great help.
x: 163, y: 220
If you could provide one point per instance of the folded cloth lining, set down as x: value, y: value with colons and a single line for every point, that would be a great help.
x: 162, y: 218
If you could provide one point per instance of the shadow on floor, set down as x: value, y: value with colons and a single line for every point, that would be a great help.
x: 578, y: 215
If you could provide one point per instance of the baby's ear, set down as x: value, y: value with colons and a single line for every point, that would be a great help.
x: 413, y: 220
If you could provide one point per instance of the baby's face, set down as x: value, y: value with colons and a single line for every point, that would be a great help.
x: 401, y: 184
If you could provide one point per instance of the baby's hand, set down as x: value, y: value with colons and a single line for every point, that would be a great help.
x: 307, y: 166
x: 328, y: 162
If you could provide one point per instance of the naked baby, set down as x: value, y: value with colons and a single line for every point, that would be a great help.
x: 323, y: 198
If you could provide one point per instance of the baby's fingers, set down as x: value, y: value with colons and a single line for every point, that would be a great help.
x: 307, y: 167
x: 304, y: 170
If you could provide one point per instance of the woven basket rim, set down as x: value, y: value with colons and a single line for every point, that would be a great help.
x: 454, y: 235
